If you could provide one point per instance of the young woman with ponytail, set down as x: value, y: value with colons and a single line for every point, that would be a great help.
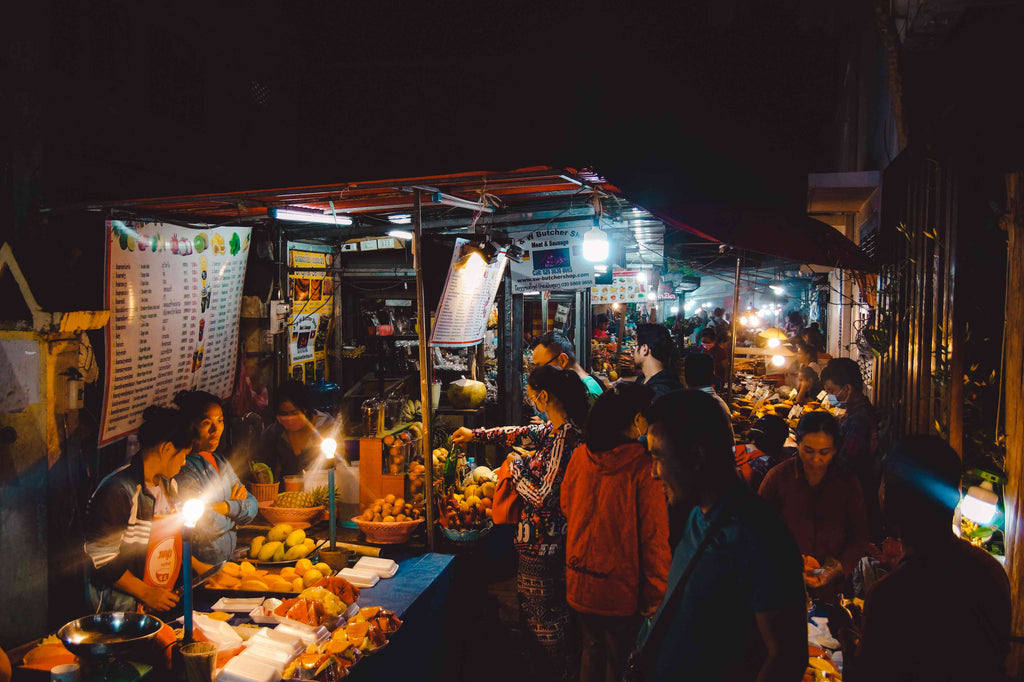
x: 540, y: 533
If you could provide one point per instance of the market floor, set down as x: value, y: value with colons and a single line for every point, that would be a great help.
x: 483, y: 636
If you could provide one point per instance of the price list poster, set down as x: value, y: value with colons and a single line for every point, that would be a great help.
x: 174, y: 295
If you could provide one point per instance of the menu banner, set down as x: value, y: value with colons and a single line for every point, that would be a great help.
x: 623, y: 289
x: 311, y: 291
x: 467, y: 298
x: 174, y: 295
x: 552, y: 260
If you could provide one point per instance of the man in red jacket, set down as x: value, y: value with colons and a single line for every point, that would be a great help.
x: 617, y: 554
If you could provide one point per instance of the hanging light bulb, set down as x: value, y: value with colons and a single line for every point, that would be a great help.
x: 774, y: 343
x: 641, y: 277
x: 778, y: 360
x: 595, y: 244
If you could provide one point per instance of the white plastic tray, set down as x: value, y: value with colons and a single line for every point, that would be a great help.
x: 359, y: 578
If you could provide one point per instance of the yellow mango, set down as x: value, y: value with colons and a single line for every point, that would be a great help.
x: 254, y: 585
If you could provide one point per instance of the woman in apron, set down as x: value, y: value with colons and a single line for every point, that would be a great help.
x: 210, y: 476
x: 132, y: 526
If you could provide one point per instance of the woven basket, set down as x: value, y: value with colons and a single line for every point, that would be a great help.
x: 469, y: 535
x: 264, y: 492
x: 387, y: 533
x: 290, y: 514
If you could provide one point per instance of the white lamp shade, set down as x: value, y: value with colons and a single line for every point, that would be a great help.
x: 979, y: 505
x: 595, y: 245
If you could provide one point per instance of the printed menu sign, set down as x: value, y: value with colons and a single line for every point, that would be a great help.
x: 467, y: 298
x: 174, y: 295
x: 311, y: 290
x: 623, y: 289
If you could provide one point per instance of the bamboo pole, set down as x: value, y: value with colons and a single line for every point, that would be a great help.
x: 732, y: 322
x: 1013, y: 223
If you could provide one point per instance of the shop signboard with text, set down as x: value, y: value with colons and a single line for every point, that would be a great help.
x: 552, y: 260
x: 311, y: 291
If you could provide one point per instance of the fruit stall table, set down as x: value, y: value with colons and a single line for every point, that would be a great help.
x: 418, y: 594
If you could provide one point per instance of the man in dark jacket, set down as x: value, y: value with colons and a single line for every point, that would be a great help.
x: 653, y: 357
x: 741, y: 613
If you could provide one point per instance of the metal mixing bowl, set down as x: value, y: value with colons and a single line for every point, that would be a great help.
x: 109, y: 635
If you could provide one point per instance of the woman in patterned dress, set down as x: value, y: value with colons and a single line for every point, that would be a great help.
x: 540, y: 534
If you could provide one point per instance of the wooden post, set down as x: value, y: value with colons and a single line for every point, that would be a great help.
x: 1013, y: 223
x: 732, y: 322
x: 425, y: 374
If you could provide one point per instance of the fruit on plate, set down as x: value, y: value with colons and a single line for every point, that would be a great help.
x: 295, y: 499
x: 302, y: 610
x: 332, y: 605
x: 391, y: 509
x: 467, y: 506
x: 280, y: 532
x: 467, y: 394
x: 343, y: 589
x: 383, y: 619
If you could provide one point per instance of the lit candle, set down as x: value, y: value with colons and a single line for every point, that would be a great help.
x: 329, y: 446
x: 191, y: 513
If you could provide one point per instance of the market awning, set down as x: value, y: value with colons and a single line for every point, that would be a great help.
x: 798, y: 238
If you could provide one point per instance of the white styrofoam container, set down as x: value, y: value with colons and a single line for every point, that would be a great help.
x: 384, y: 568
x: 240, y: 669
x: 359, y: 578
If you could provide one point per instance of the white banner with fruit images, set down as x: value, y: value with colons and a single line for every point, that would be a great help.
x: 174, y: 295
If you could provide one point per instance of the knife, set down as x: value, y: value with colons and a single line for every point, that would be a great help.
x: 207, y: 574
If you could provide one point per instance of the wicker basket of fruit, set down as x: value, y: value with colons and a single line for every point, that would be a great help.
x: 387, y: 532
x: 295, y: 507
x: 468, y: 534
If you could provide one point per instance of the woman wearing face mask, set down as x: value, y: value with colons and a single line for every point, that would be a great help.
x: 132, y: 526
x: 293, y: 443
x: 540, y: 534
x: 823, y: 508
x: 617, y: 553
x: 210, y: 476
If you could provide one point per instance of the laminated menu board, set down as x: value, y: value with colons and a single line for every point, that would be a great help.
x: 623, y: 289
x: 174, y: 295
x: 468, y: 294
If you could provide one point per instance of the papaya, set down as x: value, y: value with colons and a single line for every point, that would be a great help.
x: 228, y: 581
x: 232, y: 569
x: 268, y: 549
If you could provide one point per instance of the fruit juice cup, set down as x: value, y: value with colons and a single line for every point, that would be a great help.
x: 293, y: 484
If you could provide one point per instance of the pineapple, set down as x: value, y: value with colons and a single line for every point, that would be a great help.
x: 299, y: 500
x: 320, y: 497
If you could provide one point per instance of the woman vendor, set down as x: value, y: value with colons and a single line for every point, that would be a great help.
x: 293, y: 443
x: 132, y: 528
x: 823, y: 508
x: 210, y: 476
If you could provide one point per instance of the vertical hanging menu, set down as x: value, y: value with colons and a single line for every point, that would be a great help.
x: 174, y: 295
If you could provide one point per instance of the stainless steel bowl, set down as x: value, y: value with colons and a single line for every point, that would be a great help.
x: 109, y: 635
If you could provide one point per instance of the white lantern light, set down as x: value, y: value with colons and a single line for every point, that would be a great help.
x: 328, y: 446
x: 192, y: 512
x: 595, y: 244
x: 778, y: 360
x: 979, y: 504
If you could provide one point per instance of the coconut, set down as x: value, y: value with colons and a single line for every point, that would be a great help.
x: 466, y: 394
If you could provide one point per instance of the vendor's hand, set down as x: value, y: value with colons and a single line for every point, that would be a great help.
x: 239, y: 492
x: 220, y: 507
x: 649, y: 612
x: 536, y: 420
x: 158, y: 599
x: 462, y: 435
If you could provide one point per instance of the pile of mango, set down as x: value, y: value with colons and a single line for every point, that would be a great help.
x: 245, y: 576
x: 282, y: 543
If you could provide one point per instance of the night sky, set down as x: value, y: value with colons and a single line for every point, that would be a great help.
x: 716, y: 100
